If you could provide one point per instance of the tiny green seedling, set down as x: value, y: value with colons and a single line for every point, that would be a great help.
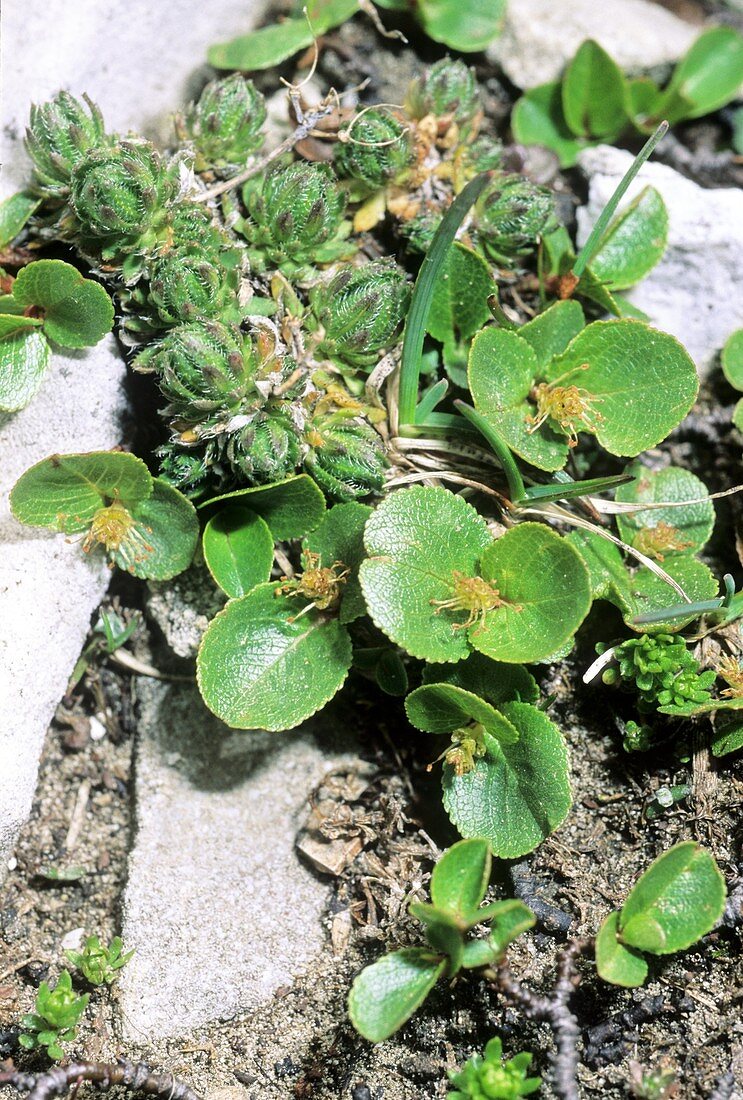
x: 48, y: 301
x: 388, y: 992
x: 55, y: 1019
x: 489, y: 1076
x: 595, y: 102
x: 487, y: 712
x: 675, y: 902
x: 100, y: 965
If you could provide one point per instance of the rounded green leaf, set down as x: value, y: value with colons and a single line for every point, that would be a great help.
x: 538, y: 119
x: 465, y: 25
x: 11, y: 322
x: 461, y: 877
x: 460, y: 298
x: 163, y: 540
x: 594, y: 94
x: 238, y: 550
x: 647, y: 592
x: 390, y: 673
x: 516, y: 795
x: 546, y: 592
x: 727, y: 737
x: 615, y: 962
x: 417, y: 540
x: 262, y: 666
x: 442, y: 708
x: 24, y: 358
x: 387, y: 993
x: 65, y: 491
x: 645, y: 98
x: 291, y: 507
x: 14, y: 213
x: 633, y: 243
x: 339, y: 540
x: 606, y: 569
x: 675, y: 902
x: 549, y: 333
x: 493, y: 681
x: 707, y: 77
x: 659, y: 532
x: 262, y: 49
x: 640, y: 383
x: 732, y: 359
x: 501, y: 372
x: 77, y: 312
x: 269, y: 46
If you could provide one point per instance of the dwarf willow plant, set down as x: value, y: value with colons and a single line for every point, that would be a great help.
x: 596, y: 102
x: 677, y: 901
x: 243, y: 283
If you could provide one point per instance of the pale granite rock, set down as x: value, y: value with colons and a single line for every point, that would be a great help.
x: 540, y: 36
x: 694, y: 292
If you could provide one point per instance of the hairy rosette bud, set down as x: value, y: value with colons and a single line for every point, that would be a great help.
x: 60, y: 134
x: 361, y: 310
x: 267, y: 448
x: 346, y: 456
x: 375, y: 149
x: 121, y: 196
x: 511, y: 216
x: 205, y: 368
x: 225, y: 125
x: 295, y: 214
x: 448, y: 90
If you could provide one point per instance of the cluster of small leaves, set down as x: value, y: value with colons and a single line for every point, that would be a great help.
x: 55, y: 1018
x: 662, y: 670
x: 596, y: 102
x: 100, y: 965
x: 48, y: 303
x: 465, y: 26
x: 661, y: 541
x: 387, y: 993
x: 262, y: 326
x: 488, y: 1076
x: 674, y: 903
x: 144, y: 525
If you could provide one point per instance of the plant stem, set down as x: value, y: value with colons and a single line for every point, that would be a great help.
x: 306, y: 123
x: 132, y: 1077
x: 591, y: 246
x: 425, y: 284
x: 516, y: 486
x: 554, y: 1010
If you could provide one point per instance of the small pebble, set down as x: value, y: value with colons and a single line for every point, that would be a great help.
x: 71, y: 940
x: 97, y: 729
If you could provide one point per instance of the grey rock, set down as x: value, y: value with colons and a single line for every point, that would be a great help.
x: 48, y: 589
x: 540, y: 36
x: 692, y: 293
x: 183, y: 607
x: 218, y: 907
x: 139, y: 61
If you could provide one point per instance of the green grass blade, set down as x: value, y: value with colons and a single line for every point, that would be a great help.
x: 415, y: 328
